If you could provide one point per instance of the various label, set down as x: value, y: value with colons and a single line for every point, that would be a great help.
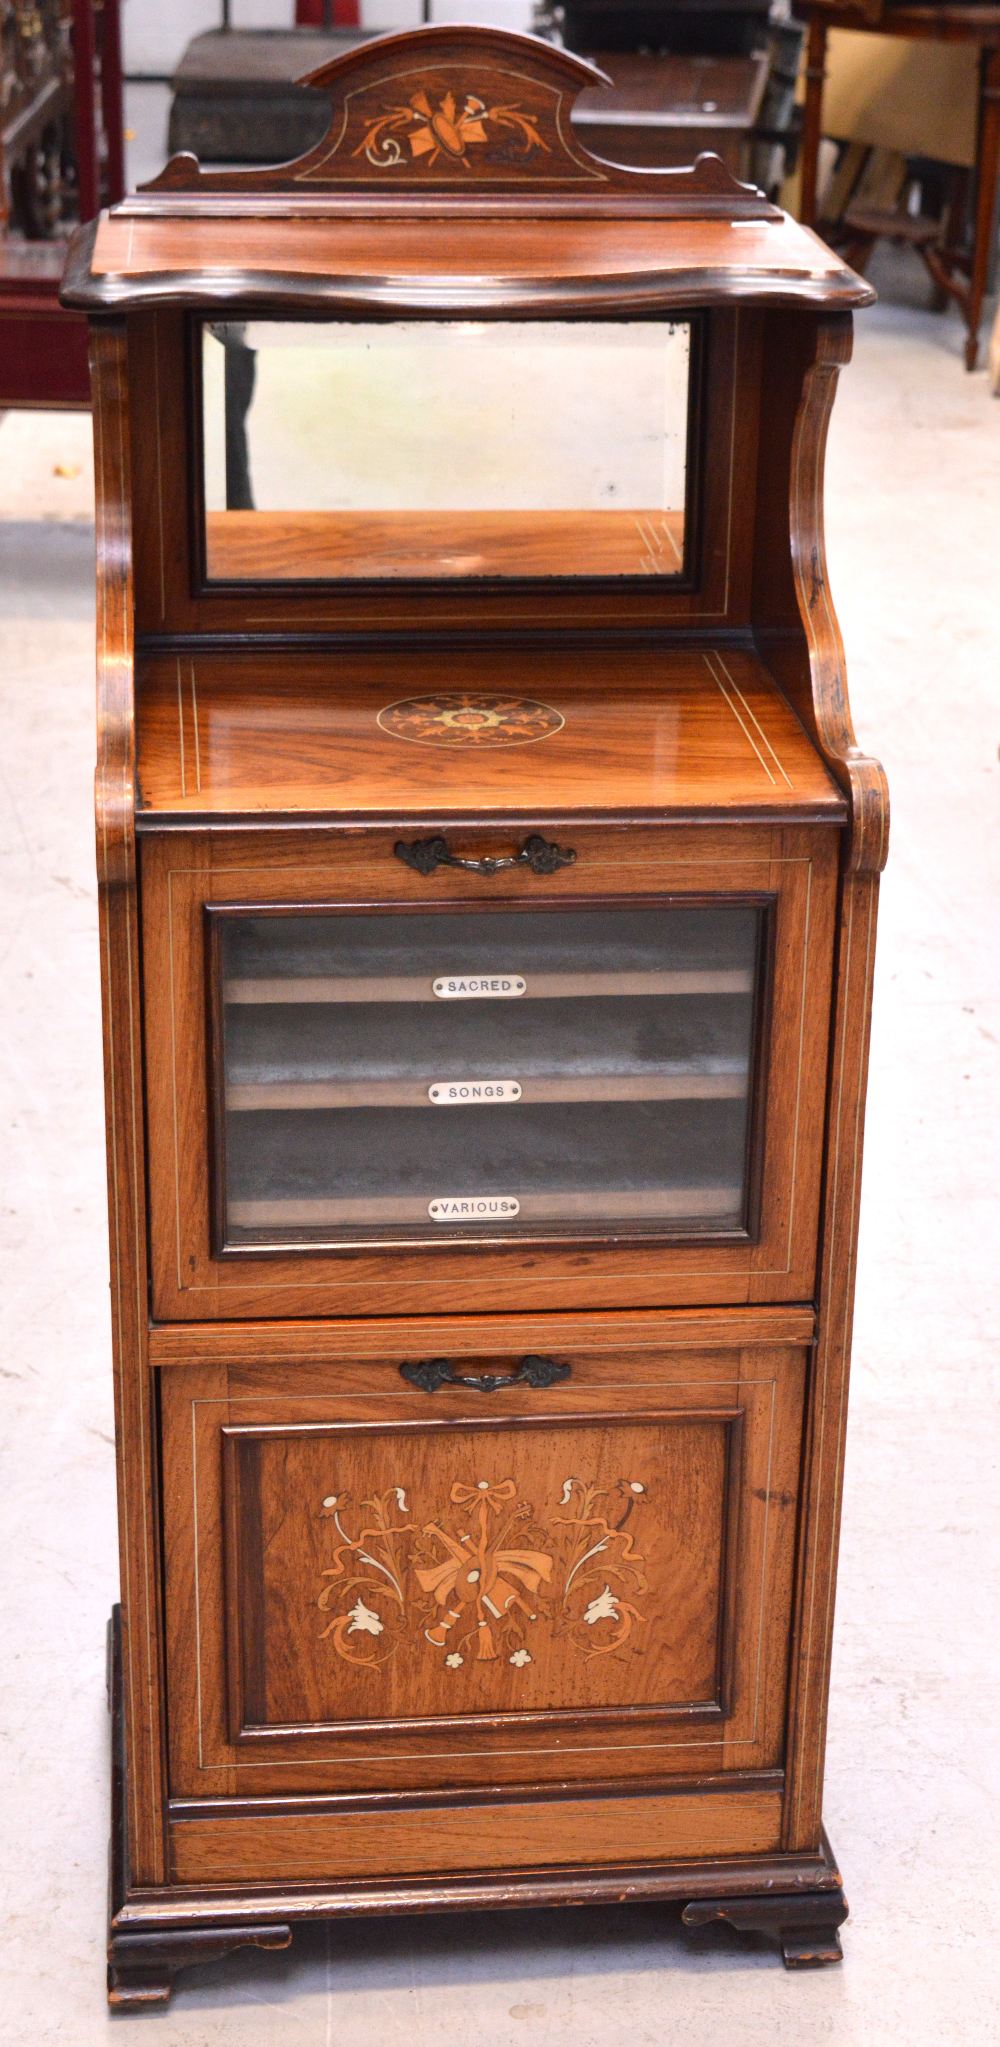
x: 473, y: 1208
x: 479, y: 1093
x: 478, y: 987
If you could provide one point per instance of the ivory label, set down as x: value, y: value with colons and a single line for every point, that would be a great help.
x: 478, y: 987
x: 479, y: 1093
x: 473, y: 1208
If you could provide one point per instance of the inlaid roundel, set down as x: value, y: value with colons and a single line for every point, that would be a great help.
x: 464, y: 718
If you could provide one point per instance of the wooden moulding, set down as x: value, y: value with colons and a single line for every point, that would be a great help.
x: 121, y: 1000
x: 118, y: 265
x: 251, y: 1344
x: 154, y: 1932
x: 826, y: 1417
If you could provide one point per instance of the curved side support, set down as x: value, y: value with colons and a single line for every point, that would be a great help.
x: 794, y: 619
x: 120, y: 996
x: 861, y: 776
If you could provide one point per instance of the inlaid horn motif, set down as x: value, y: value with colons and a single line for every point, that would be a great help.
x: 477, y: 1577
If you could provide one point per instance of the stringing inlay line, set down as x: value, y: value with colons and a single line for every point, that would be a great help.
x: 744, y: 727
x: 751, y: 714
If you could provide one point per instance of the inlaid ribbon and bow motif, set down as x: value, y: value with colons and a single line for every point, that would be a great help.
x: 477, y: 1578
x: 444, y: 129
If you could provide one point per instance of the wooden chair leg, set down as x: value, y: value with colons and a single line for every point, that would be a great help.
x: 812, y: 120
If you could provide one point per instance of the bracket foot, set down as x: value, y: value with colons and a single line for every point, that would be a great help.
x: 805, y: 1926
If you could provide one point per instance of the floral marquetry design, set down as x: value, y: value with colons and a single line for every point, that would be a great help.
x: 483, y: 1571
x: 426, y: 130
x: 463, y: 718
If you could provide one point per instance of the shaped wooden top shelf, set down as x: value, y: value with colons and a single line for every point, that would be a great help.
x: 544, y: 733
x: 458, y: 142
x: 453, y: 267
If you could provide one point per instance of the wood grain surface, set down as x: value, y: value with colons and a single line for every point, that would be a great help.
x: 327, y: 264
x: 310, y: 546
x: 323, y: 1638
x: 678, y: 732
x: 516, y: 1836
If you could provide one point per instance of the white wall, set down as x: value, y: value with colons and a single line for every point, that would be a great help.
x: 404, y: 13
x: 155, y: 36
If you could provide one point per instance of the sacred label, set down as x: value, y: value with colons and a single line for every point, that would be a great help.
x: 478, y: 987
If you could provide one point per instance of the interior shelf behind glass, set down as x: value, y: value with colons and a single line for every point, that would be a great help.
x: 383, y: 1071
x: 313, y: 1171
x: 576, y: 952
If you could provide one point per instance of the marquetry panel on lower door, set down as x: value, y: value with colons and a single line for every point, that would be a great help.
x: 373, y: 1587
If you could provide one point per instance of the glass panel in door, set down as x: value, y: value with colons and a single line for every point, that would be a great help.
x: 485, y: 1073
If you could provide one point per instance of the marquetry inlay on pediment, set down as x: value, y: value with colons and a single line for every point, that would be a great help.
x: 452, y: 112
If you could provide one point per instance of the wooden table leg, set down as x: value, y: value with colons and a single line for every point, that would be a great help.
x: 987, y: 168
x: 85, y: 140
x: 112, y: 101
x: 812, y: 121
x: 955, y: 238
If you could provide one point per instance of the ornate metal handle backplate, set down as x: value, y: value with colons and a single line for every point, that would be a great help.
x: 532, y: 1371
x: 537, y: 853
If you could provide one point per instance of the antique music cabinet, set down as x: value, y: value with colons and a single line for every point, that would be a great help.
x: 488, y: 878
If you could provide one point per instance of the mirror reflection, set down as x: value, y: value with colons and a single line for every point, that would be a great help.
x: 444, y: 448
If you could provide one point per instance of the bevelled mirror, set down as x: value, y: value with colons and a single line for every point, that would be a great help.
x: 342, y: 450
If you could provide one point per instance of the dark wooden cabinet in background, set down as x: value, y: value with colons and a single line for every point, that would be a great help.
x: 488, y: 879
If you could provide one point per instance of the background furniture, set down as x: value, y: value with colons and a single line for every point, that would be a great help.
x: 488, y: 878
x: 667, y: 109
x: 61, y: 156
x: 235, y: 96
x: 692, y: 27
x: 960, y: 272
x: 684, y: 79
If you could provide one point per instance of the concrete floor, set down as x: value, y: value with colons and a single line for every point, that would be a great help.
x: 912, y: 1793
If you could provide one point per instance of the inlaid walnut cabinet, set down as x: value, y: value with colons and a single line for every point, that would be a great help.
x: 488, y: 878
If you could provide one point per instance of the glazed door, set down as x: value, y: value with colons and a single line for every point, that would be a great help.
x: 393, y: 1076
x: 486, y: 1095
x: 468, y: 1558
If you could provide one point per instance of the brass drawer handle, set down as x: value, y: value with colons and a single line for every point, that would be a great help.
x: 531, y: 1371
x: 425, y: 855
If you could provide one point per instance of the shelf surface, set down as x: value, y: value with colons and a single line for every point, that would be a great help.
x: 456, y: 544
x: 643, y: 1159
x: 139, y: 254
x: 559, y: 1087
x: 546, y: 732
